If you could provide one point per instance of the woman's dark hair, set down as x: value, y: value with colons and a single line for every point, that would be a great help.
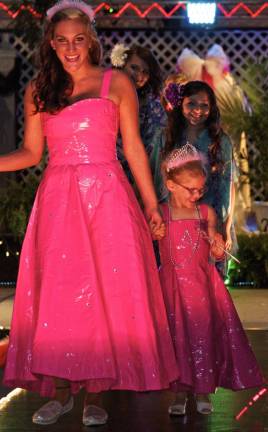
x: 176, y: 126
x: 154, y: 82
x: 53, y: 85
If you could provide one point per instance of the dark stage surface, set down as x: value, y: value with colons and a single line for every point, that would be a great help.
x: 147, y: 412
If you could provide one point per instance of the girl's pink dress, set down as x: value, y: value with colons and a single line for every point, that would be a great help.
x: 211, y: 346
x: 88, y: 306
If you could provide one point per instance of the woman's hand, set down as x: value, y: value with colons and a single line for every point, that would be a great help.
x: 158, y: 234
x: 154, y: 219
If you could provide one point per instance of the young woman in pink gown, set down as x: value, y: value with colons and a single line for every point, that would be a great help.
x: 88, y: 309
x: 211, y: 346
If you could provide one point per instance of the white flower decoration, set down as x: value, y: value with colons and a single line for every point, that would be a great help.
x: 119, y: 55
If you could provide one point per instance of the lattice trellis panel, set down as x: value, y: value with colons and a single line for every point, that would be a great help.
x: 240, y: 46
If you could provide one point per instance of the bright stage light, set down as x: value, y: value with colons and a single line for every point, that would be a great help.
x: 201, y: 12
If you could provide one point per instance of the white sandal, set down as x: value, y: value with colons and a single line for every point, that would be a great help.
x: 178, y: 408
x: 204, y: 407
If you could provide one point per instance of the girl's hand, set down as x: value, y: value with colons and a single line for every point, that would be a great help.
x: 216, y: 248
x: 159, y: 233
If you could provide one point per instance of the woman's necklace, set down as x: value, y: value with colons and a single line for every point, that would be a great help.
x: 194, y: 244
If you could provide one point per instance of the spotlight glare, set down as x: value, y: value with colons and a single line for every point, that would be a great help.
x: 201, y: 13
x: 4, y: 401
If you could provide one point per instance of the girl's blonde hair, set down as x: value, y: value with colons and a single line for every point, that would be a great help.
x: 195, y: 168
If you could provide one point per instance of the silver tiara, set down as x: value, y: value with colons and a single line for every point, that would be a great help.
x: 71, y: 4
x: 182, y: 155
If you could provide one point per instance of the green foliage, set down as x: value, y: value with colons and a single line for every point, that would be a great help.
x: 256, y: 123
x: 232, y: 108
x: 251, y: 117
x: 16, y: 199
x: 253, y: 254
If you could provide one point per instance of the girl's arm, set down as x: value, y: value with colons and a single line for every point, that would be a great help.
x: 133, y: 147
x: 33, y: 144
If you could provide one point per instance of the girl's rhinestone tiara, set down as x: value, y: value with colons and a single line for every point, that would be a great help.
x: 182, y: 155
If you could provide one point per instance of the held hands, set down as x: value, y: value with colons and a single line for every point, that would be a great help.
x: 159, y: 233
x: 216, y: 249
x: 156, y: 223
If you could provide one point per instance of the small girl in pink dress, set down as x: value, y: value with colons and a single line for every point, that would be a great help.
x: 211, y: 346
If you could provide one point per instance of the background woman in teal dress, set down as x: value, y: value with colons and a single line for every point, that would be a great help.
x: 193, y: 116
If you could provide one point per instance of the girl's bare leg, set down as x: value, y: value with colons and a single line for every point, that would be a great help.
x: 62, y: 391
x: 93, y: 399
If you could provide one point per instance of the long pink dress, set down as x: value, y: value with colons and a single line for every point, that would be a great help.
x: 211, y: 346
x: 88, y: 306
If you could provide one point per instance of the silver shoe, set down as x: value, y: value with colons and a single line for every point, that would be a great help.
x: 94, y: 415
x: 204, y: 406
x: 51, y: 411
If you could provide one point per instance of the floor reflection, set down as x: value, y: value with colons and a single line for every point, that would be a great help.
x: 147, y: 412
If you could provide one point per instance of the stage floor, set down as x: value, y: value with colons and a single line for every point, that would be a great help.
x: 147, y: 412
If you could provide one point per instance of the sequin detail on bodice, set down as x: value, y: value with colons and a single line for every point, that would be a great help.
x: 72, y: 135
x: 185, y: 244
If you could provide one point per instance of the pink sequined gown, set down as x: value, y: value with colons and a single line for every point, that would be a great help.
x: 211, y: 346
x: 89, y: 306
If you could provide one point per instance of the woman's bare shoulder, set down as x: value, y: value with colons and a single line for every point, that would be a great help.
x: 120, y: 78
x: 122, y: 87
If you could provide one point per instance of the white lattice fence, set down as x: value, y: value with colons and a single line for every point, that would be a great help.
x: 240, y: 46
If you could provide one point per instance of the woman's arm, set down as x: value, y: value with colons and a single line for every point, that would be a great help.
x: 229, y: 220
x: 33, y: 144
x: 212, y: 223
x: 215, y: 239
x: 133, y: 147
x: 228, y: 178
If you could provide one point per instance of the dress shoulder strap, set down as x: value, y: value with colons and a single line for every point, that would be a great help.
x: 106, y: 81
x: 204, y: 211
